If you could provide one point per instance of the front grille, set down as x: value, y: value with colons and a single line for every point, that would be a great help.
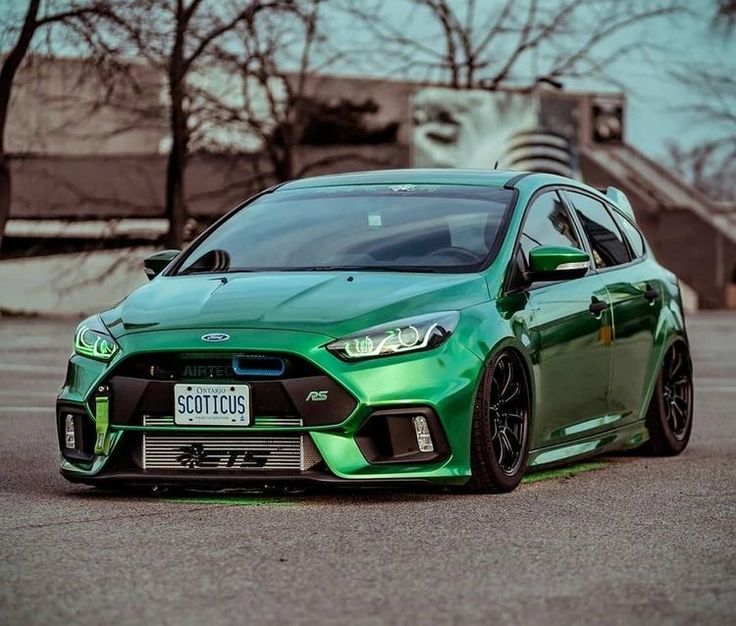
x: 224, y: 367
x: 285, y: 421
x: 287, y: 399
x: 228, y: 452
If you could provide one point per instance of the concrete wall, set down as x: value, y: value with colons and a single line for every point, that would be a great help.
x: 105, y: 187
x: 56, y: 109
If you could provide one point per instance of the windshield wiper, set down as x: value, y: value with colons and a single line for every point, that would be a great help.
x: 331, y: 268
x: 365, y: 268
x: 193, y: 272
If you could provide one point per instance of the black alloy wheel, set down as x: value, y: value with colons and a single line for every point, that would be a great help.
x: 677, y: 391
x: 670, y: 414
x: 508, y: 412
x: 500, y: 436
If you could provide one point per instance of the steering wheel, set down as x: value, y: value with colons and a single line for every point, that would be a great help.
x: 457, y: 251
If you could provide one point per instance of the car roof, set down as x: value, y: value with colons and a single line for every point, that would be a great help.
x: 416, y: 176
x: 445, y: 176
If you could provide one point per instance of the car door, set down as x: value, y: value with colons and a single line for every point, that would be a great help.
x: 634, y: 291
x: 568, y: 323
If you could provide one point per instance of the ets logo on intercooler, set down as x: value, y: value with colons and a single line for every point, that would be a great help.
x: 197, y: 456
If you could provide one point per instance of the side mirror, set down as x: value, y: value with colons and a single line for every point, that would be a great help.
x: 156, y: 263
x: 557, y: 263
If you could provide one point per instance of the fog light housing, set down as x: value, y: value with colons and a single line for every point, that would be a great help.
x: 424, y: 437
x: 76, y: 433
x: 70, y: 437
x: 403, y: 435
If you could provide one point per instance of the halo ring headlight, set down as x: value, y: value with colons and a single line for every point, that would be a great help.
x: 93, y: 341
x: 408, y: 335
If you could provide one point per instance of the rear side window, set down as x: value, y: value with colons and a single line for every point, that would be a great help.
x: 633, y: 236
x: 548, y: 224
x: 606, y: 240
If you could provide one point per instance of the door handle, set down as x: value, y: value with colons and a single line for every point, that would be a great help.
x: 597, y: 306
x: 651, y: 294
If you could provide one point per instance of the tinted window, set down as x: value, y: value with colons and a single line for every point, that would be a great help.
x: 548, y: 224
x: 606, y: 240
x: 428, y: 227
x: 633, y: 236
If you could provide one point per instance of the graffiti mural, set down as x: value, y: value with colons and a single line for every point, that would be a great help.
x: 480, y: 128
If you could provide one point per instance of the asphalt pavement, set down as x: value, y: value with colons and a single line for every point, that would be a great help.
x: 633, y: 540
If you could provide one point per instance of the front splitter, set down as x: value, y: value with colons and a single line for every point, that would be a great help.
x: 216, y: 481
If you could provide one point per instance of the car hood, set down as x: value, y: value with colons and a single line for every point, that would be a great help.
x: 329, y: 303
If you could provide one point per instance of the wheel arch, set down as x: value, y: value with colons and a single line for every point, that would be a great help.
x: 670, y: 330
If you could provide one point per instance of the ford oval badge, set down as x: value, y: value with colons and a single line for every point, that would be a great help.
x: 215, y: 337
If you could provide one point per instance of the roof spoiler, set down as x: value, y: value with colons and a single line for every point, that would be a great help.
x: 618, y: 197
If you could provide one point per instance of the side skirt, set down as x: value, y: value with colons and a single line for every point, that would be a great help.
x: 624, y: 438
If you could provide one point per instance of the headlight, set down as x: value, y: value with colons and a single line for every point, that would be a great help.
x: 407, y: 335
x: 93, y: 341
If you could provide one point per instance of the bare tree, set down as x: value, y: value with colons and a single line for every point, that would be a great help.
x: 274, y: 71
x: 35, y: 18
x: 725, y: 15
x: 710, y: 166
x: 496, y: 43
x: 175, y: 37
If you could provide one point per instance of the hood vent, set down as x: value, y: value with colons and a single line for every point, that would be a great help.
x: 260, y: 365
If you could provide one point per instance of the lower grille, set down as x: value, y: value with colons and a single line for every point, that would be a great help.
x: 228, y: 452
x: 283, y: 421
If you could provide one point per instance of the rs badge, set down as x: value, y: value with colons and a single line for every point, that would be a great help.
x: 316, y: 396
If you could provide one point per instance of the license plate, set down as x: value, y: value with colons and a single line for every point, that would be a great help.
x: 212, y: 405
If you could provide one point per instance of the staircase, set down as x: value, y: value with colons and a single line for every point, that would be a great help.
x: 691, y: 235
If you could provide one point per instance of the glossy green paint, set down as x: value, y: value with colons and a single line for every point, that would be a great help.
x: 592, y: 376
x: 548, y: 260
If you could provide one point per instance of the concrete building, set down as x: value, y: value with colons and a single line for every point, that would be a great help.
x: 77, y: 159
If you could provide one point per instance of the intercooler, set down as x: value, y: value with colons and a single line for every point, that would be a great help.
x: 252, y: 451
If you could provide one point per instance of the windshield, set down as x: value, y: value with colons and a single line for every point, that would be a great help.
x: 440, y: 228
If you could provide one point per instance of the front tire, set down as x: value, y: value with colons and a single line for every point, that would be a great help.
x: 499, y: 443
x: 670, y: 414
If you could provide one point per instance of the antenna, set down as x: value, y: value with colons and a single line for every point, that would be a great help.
x: 495, y: 165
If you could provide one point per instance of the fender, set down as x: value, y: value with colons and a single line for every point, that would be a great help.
x: 670, y: 329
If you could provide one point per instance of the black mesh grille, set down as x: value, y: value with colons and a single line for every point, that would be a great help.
x: 225, y: 367
x: 144, y: 385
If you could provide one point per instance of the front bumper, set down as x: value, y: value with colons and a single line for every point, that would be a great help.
x: 348, y: 435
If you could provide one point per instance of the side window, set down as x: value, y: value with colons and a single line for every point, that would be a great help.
x: 633, y: 236
x: 548, y: 224
x: 606, y: 241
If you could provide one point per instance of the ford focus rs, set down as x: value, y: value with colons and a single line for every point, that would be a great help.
x: 448, y: 326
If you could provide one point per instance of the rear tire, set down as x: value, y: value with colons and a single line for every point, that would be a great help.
x: 499, y: 443
x: 670, y: 414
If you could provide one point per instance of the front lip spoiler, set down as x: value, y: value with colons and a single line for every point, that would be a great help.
x: 228, y: 481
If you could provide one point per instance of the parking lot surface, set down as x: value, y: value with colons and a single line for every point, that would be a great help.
x: 633, y: 540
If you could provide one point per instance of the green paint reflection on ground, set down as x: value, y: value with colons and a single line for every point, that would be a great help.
x: 562, y: 472
x: 258, y: 500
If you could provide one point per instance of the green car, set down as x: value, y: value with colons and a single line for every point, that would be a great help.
x: 454, y: 327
